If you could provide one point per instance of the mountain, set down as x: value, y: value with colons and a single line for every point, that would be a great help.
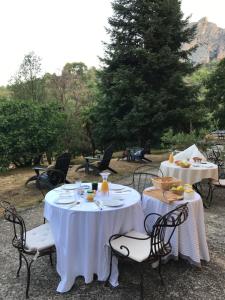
x: 210, y: 41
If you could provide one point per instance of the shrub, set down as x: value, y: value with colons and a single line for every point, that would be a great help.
x: 182, y: 140
x: 28, y: 129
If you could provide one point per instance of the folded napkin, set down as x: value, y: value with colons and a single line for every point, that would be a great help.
x: 189, y: 153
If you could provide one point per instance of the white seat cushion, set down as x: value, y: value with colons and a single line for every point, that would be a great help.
x: 220, y: 182
x: 139, y: 249
x: 39, y: 238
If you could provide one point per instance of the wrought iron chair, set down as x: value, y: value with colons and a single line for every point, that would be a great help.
x: 35, y: 243
x: 51, y: 177
x: 151, y: 246
x: 214, y: 155
x: 216, y: 184
x: 142, y: 177
x: 102, y: 165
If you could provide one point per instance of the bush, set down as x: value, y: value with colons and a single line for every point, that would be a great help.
x: 28, y: 129
x: 182, y: 140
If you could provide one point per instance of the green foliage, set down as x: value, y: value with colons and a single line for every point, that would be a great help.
x: 27, y: 83
x: 182, y: 140
x: 142, y: 84
x: 215, y: 96
x: 28, y: 129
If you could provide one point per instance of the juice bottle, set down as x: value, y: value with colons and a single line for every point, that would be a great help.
x: 104, y: 185
x: 171, y: 158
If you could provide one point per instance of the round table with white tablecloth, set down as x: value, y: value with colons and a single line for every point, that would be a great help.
x: 191, y: 175
x: 189, y: 239
x: 81, y: 233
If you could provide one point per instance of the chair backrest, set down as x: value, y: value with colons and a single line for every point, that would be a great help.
x: 107, y: 156
x: 142, y: 177
x: 63, y: 162
x: 160, y: 243
x: 214, y: 155
x: 19, y: 228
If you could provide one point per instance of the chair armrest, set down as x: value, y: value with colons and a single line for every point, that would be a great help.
x: 39, y: 168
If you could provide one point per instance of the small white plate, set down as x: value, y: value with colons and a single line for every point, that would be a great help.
x: 113, y: 202
x: 117, y: 187
x: 66, y: 200
x: 70, y: 186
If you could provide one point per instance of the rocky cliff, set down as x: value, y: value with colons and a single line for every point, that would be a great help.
x: 210, y: 41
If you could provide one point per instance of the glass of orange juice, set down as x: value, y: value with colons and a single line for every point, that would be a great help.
x: 105, y: 185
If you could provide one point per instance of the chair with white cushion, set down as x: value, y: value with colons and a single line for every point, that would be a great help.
x: 35, y: 243
x: 152, y: 245
x: 216, y: 184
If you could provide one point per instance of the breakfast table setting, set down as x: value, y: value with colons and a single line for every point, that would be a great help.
x: 190, y: 166
x: 82, y: 222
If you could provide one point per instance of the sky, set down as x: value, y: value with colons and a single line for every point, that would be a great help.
x: 61, y: 31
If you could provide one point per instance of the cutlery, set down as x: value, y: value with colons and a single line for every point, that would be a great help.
x: 73, y: 204
x: 98, y: 205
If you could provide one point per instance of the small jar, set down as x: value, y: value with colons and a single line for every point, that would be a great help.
x: 189, y: 194
x: 90, y: 196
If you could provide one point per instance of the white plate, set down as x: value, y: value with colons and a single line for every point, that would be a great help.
x: 117, y: 187
x: 66, y: 200
x: 113, y: 202
x: 70, y: 186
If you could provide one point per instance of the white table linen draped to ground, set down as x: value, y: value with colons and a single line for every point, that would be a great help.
x: 81, y: 235
x: 189, y: 239
x: 191, y: 175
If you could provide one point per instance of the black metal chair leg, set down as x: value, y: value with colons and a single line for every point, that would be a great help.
x: 28, y: 278
x: 110, y: 269
x: 159, y: 269
x: 50, y: 257
x: 20, y: 265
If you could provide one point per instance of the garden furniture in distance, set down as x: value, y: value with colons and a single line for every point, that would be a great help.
x: 49, y: 178
x: 98, y: 164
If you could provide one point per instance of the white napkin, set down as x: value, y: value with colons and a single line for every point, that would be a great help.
x: 189, y: 153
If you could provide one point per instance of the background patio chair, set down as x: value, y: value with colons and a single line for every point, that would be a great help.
x: 142, y: 177
x: 100, y: 166
x: 30, y: 244
x: 52, y: 176
x: 215, y: 155
x: 153, y: 245
x: 216, y: 184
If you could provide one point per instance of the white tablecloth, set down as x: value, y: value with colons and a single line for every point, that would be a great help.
x: 82, y: 232
x: 190, y: 175
x: 189, y: 239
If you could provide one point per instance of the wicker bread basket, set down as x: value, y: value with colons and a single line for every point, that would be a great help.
x: 165, y: 183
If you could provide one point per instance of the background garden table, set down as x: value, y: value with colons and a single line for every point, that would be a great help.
x: 81, y: 234
x: 189, y: 239
x: 191, y: 175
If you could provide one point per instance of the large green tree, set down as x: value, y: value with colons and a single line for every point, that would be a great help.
x: 142, y: 84
x: 215, y: 95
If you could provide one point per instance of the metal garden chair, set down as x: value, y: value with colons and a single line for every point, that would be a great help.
x: 153, y: 245
x: 30, y: 244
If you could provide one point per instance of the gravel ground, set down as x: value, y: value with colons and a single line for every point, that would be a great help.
x: 182, y: 281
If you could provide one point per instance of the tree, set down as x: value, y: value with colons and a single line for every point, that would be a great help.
x: 142, y: 84
x: 215, y: 95
x: 28, y: 129
x: 27, y: 84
